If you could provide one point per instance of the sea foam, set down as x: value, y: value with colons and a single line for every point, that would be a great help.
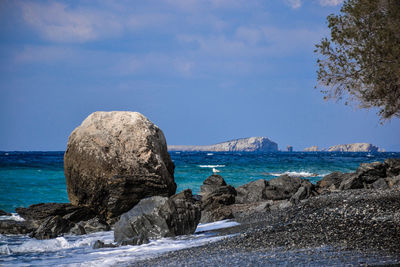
x: 211, y: 166
x: 77, y: 250
x: 296, y: 174
x: 14, y: 217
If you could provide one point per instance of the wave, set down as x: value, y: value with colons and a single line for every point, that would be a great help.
x: 202, y: 227
x: 296, y: 174
x: 72, y: 250
x: 14, y: 217
x: 211, y: 166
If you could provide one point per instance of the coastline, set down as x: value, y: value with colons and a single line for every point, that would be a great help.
x: 346, y: 227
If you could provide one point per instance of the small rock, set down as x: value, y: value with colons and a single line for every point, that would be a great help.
x: 393, y: 182
x: 283, y: 187
x: 370, y: 172
x: 251, y: 192
x: 99, y: 244
x: 212, y: 183
x: 4, y: 213
x: 94, y: 225
x: 330, y: 182
x: 392, y: 167
x: 380, y: 184
x: 11, y: 227
x: 52, y: 227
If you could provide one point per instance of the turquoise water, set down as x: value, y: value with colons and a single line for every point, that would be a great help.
x: 32, y: 177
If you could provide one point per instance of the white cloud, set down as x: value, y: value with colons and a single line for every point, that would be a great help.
x: 59, y: 23
x: 293, y: 3
x: 330, y: 2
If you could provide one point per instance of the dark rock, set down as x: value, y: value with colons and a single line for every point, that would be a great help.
x: 4, y: 213
x: 392, y: 167
x: 77, y: 229
x: 302, y: 193
x: 331, y: 181
x: 99, y: 244
x: 215, y: 213
x: 283, y: 187
x: 95, y: 225
x: 212, y: 183
x: 52, y: 227
x: 12, y: 227
x: 351, y: 181
x: 380, y: 184
x: 43, y: 211
x: 370, y: 172
x: 137, y: 240
x: 224, y: 195
x: 91, y: 226
x: 114, y: 159
x: 394, y: 182
x: 157, y: 217
x: 216, y: 195
x: 251, y: 192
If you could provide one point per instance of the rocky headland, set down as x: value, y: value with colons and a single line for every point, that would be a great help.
x: 120, y: 176
x: 355, y: 147
x: 251, y: 144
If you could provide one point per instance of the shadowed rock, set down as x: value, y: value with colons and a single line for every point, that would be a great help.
x: 251, y: 192
x: 158, y: 217
x: 216, y: 198
x: 42, y: 211
x: 4, y: 213
x: 52, y: 227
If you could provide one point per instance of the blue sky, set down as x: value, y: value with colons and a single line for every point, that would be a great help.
x: 204, y: 71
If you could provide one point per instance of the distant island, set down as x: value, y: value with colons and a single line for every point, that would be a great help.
x: 251, y: 144
x: 355, y: 147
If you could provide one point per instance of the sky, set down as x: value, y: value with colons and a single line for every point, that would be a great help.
x: 204, y: 71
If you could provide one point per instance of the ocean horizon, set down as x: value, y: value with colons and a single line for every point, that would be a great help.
x: 28, y: 178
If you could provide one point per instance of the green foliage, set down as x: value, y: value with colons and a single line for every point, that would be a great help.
x: 361, y: 59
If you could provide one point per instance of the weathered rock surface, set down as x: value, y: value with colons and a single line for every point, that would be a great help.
x: 42, y: 211
x: 114, y: 159
x: 52, y: 227
x: 251, y: 144
x: 12, y: 227
x: 157, y: 217
x: 284, y: 187
x: 216, y: 198
x: 50, y: 220
x: 251, y: 192
x: 356, y: 147
x: 375, y: 175
x: 90, y: 226
x: 311, y: 149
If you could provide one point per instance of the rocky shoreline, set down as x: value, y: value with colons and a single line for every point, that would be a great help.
x: 120, y: 176
x: 352, y: 226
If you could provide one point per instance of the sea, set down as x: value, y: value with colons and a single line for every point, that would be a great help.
x: 28, y: 178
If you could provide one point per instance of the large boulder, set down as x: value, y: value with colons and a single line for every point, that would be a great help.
x: 216, y: 198
x: 158, y: 217
x: 114, y: 159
